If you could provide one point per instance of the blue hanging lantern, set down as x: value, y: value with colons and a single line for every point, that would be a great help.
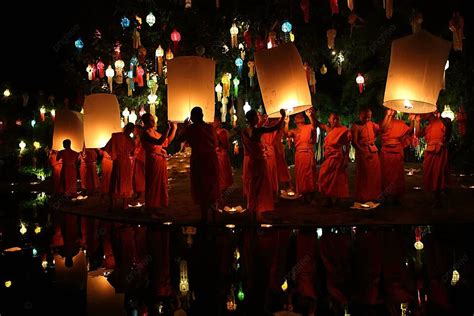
x: 134, y: 60
x: 79, y: 43
x: 125, y: 22
x: 239, y: 63
x: 286, y: 28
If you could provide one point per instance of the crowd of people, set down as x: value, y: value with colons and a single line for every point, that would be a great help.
x: 134, y: 161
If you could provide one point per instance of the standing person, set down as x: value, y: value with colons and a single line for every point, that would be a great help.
x: 435, y: 161
x: 333, y: 178
x: 259, y: 195
x: 138, y: 166
x: 222, y: 149
x: 268, y: 141
x: 395, y: 136
x: 304, y: 136
x: 120, y: 147
x: 92, y: 179
x: 368, y: 178
x: 281, y: 165
x: 56, y: 167
x: 202, y: 139
x: 68, y: 171
x: 106, y: 167
x: 156, y: 172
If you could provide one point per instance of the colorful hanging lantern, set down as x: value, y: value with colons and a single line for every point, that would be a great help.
x: 119, y: 64
x: 53, y: 114
x: 240, y: 294
x: 226, y: 84
x: 150, y: 19
x: 247, y: 107
x: 136, y: 40
x: 42, y: 113
x: 236, y: 83
x: 350, y: 5
x: 187, y: 89
x: 285, y: 86
x: 388, y: 6
x: 90, y: 71
x: 175, y: 38
x: 101, y: 119
x: 418, y: 244
x: 100, y: 69
x: 251, y: 65
x: 233, y: 116
x: 183, y: 277
x: 125, y: 114
x: 360, y: 80
x: 68, y: 125
x: 239, y: 63
x: 7, y: 93
x: 331, y: 35
x: 323, y: 70
x: 286, y: 28
x: 456, y: 25
x: 139, y: 78
x: 334, y: 6
x: 224, y: 109
x: 339, y: 60
x: 448, y: 113
x: 159, y: 53
x: 234, y: 30
x: 125, y: 22
x: 169, y: 54
x: 231, y: 304
x: 110, y: 76
x: 455, y: 278
x: 218, y: 90
x: 79, y: 44
x: 132, y: 118
x: 415, y: 73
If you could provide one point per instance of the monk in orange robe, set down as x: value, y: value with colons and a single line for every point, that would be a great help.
x: 268, y: 141
x: 304, y: 136
x: 68, y: 171
x: 120, y: 147
x: 281, y: 165
x: 56, y: 171
x: 92, y: 178
x: 333, y: 178
x: 435, y: 161
x: 106, y: 166
x: 156, y: 172
x: 225, y: 169
x: 139, y: 166
x: 368, y: 177
x: 259, y: 195
x: 395, y: 136
x: 83, y: 171
x: 202, y: 139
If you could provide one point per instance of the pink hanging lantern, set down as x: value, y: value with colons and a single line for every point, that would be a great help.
x: 360, y: 80
x: 176, y: 38
x: 100, y: 69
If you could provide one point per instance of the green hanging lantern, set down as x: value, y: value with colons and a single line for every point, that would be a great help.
x: 240, y: 294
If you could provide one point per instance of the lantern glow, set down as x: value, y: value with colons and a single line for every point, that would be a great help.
x: 150, y: 19
x: 68, y: 125
x: 234, y: 30
x: 448, y: 113
x: 247, y: 107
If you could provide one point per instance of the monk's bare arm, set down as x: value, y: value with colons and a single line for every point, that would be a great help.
x: 155, y: 141
x: 172, y: 134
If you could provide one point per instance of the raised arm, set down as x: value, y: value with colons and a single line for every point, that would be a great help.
x: 156, y: 141
x: 386, y: 120
x: 355, y: 137
x: 172, y: 134
x: 276, y: 127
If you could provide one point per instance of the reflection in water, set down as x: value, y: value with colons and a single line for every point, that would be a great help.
x: 86, y: 266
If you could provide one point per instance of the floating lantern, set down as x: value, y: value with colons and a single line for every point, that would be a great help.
x: 110, y: 76
x: 42, y: 113
x: 101, y: 119
x: 218, y: 90
x: 251, y: 65
x: 175, y: 38
x: 283, y: 86
x: 159, y: 53
x: 331, y: 35
x: 150, y: 19
x: 239, y: 63
x: 187, y: 89
x: 7, y: 93
x: 234, y: 30
x: 125, y: 22
x: 415, y: 74
x: 68, y: 125
x: 448, y: 113
x: 360, y: 80
x: 79, y: 44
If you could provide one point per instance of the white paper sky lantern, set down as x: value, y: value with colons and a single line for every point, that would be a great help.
x: 282, y: 80
x: 187, y: 89
x: 68, y: 125
x: 101, y: 119
x: 415, y: 74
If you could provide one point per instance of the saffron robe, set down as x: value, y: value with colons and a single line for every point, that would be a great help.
x: 225, y: 169
x: 156, y: 173
x: 107, y: 165
x: 68, y: 171
x: 92, y: 179
x: 268, y: 140
x: 56, y: 167
x: 305, y: 165
x: 281, y: 165
x: 138, y: 175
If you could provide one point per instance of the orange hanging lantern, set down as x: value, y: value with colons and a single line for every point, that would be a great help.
x: 251, y: 65
x: 331, y: 35
x: 388, y: 6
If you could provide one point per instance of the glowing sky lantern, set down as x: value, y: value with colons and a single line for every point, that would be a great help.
x: 68, y: 125
x: 187, y: 89
x: 234, y: 30
x: 101, y: 119
x: 282, y: 80
x: 175, y: 38
x: 79, y: 44
x: 7, y: 93
x: 415, y: 74
x: 150, y: 19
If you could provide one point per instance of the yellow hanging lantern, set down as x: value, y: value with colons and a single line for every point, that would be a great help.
x: 183, y: 277
x: 282, y: 80
x: 187, y: 89
x: 234, y: 30
x: 226, y: 84
x: 415, y: 74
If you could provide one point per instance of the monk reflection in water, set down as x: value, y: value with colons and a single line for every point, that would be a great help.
x: 333, y: 178
x: 260, y: 194
x: 395, y: 136
x: 368, y: 178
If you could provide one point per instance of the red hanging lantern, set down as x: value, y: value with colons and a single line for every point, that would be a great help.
x: 175, y: 37
x: 100, y: 69
x: 334, y: 6
x: 360, y: 80
x: 248, y: 39
x: 304, y: 5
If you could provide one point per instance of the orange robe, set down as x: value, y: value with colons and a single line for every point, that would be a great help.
x: 245, y: 174
x: 268, y: 141
x: 281, y: 166
x: 120, y: 147
x: 305, y: 165
x: 225, y: 169
x: 107, y: 164
x: 156, y: 173
x: 92, y: 179
x: 368, y: 178
x: 394, y: 139
x: 435, y: 162
x: 139, y: 167
x: 83, y: 172
x: 202, y: 139
x: 56, y: 171
x: 259, y: 187
x: 333, y: 179
x: 68, y: 171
